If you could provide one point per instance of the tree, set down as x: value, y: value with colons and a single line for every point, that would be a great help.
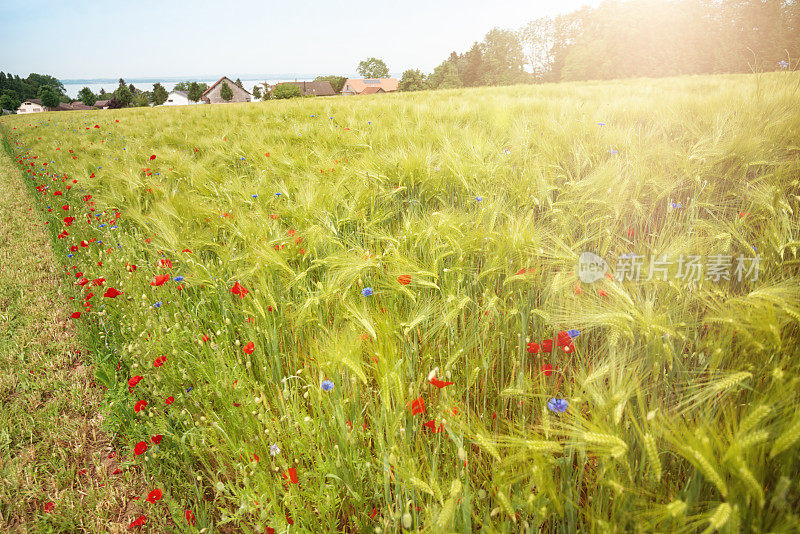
x: 86, y: 96
x: 373, y: 68
x: 238, y: 82
x: 123, y: 96
x: 538, y: 39
x: 142, y: 99
x: 412, y: 80
x: 159, y: 94
x: 132, y: 89
x: 9, y: 101
x: 503, y: 58
x: 337, y: 82
x: 49, y: 97
x: 182, y: 86
x: 195, y: 91
x: 102, y: 92
x: 257, y: 92
x: 226, y: 92
x: 122, y: 81
x: 286, y: 90
x: 445, y: 76
x: 267, y: 93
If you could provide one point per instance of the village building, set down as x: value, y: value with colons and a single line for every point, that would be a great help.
x: 80, y: 106
x: 315, y: 88
x: 212, y: 94
x: 101, y: 104
x: 368, y: 86
x: 32, y: 105
x: 177, y: 98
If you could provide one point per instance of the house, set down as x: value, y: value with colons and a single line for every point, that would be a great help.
x: 358, y: 86
x: 212, y: 94
x: 80, y: 106
x: 32, y: 105
x: 101, y: 104
x: 178, y: 98
x: 315, y: 88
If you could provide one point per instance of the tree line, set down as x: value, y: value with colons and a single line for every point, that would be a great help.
x: 15, y: 89
x: 636, y: 38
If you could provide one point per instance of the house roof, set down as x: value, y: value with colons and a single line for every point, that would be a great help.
x: 359, y: 84
x: 33, y: 100
x: 316, y: 88
x: 210, y: 87
x: 80, y: 105
x: 182, y: 93
x: 62, y: 106
x: 372, y: 89
x: 101, y: 103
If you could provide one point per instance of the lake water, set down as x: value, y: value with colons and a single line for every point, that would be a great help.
x: 73, y: 88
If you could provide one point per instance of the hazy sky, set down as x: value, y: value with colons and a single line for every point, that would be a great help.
x: 146, y: 38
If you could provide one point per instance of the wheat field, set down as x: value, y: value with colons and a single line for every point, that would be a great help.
x: 334, y: 314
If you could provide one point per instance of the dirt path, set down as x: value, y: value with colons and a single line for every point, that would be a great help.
x: 56, y: 473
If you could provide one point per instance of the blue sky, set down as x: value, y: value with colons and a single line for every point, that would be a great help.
x: 146, y: 38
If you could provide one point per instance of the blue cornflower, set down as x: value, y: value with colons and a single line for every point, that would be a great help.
x: 178, y: 279
x: 557, y: 405
x: 367, y: 291
x: 613, y: 151
x: 254, y: 196
x: 478, y: 198
x: 573, y: 333
x: 278, y: 194
x: 157, y: 304
x: 327, y: 385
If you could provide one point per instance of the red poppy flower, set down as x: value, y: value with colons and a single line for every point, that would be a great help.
x: 68, y: 221
x: 577, y: 289
x: 205, y: 337
x: 374, y: 513
x: 160, y: 361
x: 569, y: 348
x: 189, y: 515
x: 154, y: 496
x: 533, y: 348
x: 112, y: 293
x: 440, y: 383
x: 152, y: 157
x: 134, y: 380
x: 239, y: 289
x: 159, y: 280
x: 547, y: 346
x: 130, y: 268
x: 404, y: 279
x: 97, y: 126
x: 76, y: 315
x: 522, y: 271
x: 602, y: 292
x: 186, y: 250
x: 290, y: 475
x: 157, y: 439
x: 140, y: 448
x: 140, y: 406
x: 547, y: 369
x: 417, y: 406
x: 431, y: 425
x: 249, y: 348
x: 170, y: 399
x: 138, y: 522
x: 65, y: 207
x: 563, y: 338
x: 49, y: 507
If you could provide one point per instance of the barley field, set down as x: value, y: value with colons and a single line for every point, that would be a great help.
x: 368, y: 314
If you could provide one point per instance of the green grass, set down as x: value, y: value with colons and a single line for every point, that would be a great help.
x: 683, y: 398
x: 52, y: 449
